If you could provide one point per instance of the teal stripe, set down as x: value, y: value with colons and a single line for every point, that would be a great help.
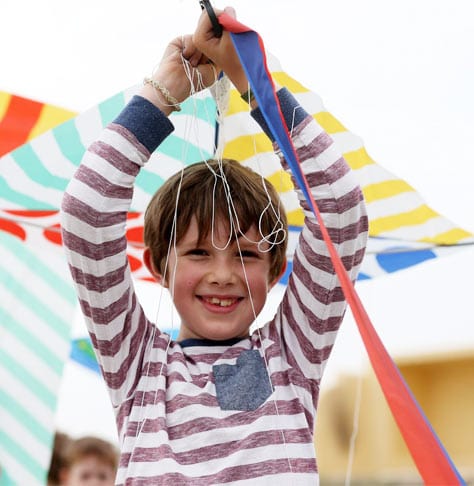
x: 62, y: 287
x: 59, y: 325
x: 69, y: 141
x: 111, y: 107
x: 31, y: 164
x: 180, y: 149
x: 203, y: 109
x: 37, y: 470
x: 28, y: 380
x: 148, y: 181
x: 36, y: 346
x: 5, y: 478
x: 19, y: 199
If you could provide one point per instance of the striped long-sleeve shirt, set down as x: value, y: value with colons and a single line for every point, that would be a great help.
x: 199, y: 412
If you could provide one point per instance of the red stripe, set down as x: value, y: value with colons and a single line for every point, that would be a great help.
x: 12, y: 228
x: 31, y: 213
x: 19, y: 120
x: 429, y: 457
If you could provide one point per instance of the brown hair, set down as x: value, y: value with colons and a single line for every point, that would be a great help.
x: 60, y: 444
x: 87, y: 446
x: 205, y: 187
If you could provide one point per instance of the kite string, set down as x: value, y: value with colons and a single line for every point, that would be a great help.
x: 172, y: 244
x: 276, y: 236
x: 271, y: 238
x: 355, y: 431
x: 236, y: 229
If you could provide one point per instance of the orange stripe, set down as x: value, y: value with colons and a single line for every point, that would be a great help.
x: 19, y: 120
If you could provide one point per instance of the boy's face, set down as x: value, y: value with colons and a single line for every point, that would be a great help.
x: 215, y: 297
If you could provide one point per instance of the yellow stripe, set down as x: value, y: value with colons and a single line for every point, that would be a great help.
x: 4, y: 102
x: 281, y: 181
x: 329, y: 123
x: 385, y: 189
x: 236, y: 103
x: 242, y: 148
x: 415, y: 217
x: 50, y: 117
x: 284, y: 80
x: 451, y: 237
x: 295, y: 217
x: 358, y: 158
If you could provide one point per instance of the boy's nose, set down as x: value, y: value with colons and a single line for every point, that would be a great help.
x: 221, y: 272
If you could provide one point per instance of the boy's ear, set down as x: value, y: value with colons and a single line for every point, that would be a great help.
x: 283, y: 270
x: 148, y: 261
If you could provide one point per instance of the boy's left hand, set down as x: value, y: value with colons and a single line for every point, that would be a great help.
x: 171, y: 73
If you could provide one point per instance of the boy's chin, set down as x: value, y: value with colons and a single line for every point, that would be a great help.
x: 211, y: 335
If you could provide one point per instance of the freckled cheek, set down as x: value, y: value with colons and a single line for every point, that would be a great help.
x: 258, y: 284
x: 190, y: 281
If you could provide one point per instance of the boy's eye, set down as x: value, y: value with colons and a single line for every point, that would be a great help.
x: 197, y: 252
x: 248, y: 254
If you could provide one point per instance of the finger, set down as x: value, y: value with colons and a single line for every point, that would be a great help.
x: 187, y: 46
x: 230, y: 11
x: 208, y: 74
x: 204, y: 27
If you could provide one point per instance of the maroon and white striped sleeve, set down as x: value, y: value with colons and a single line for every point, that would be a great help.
x: 94, y: 213
x: 311, y: 312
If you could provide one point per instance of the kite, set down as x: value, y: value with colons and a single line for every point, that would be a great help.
x: 22, y: 119
x: 36, y: 327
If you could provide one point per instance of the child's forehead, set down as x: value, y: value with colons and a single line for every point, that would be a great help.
x: 220, y: 230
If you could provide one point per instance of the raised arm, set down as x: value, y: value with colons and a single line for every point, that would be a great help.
x: 94, y: 213
x: 310, y: 315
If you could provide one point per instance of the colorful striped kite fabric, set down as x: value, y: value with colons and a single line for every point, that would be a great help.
x: 396, y: 210
x: 22, y: 119
x: 37, y: 309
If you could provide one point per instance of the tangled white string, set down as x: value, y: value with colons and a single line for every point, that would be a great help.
x: 276, y: 236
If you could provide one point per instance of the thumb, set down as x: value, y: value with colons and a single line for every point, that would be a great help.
x: 231, y: 12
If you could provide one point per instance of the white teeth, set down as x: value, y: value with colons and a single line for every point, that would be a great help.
x: 221, y: 302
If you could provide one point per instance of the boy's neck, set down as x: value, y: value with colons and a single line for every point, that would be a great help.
x: 186, y: 343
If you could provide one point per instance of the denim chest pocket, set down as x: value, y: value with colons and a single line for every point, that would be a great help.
x: 243, y: 386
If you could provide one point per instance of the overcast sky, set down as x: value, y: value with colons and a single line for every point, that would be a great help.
x: 398, y: 73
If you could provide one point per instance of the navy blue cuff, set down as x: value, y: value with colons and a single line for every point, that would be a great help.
x: 147, y: 122
x: 292, y: 111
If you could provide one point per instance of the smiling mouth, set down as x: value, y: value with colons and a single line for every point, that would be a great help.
x: 227, y: 302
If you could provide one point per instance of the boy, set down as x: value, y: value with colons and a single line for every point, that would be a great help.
x: 88, y: 461
x: 217, y: 406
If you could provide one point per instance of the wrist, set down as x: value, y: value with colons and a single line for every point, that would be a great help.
x: 158, y: 93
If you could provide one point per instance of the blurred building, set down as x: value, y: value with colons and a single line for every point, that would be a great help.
x: 443, y: 386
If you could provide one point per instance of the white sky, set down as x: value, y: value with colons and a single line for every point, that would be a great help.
x: 399, y: 73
